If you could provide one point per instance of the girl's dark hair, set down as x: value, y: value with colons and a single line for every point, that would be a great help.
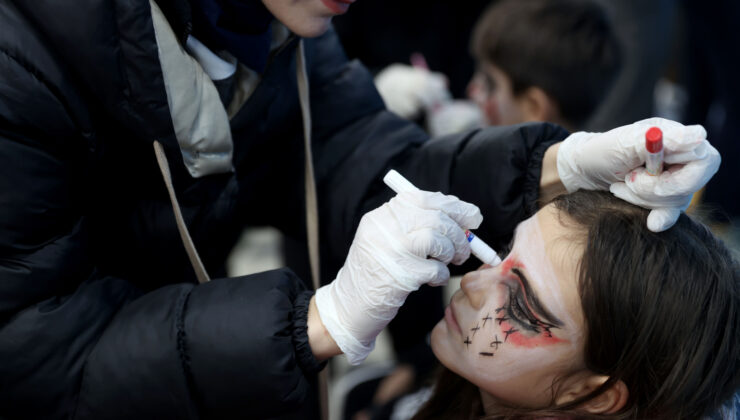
x: 565, y: 47
x: 661, y: 314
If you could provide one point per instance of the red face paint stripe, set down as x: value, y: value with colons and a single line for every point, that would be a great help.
x: 520, y: 340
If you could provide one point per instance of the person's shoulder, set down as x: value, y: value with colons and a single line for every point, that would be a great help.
x: 37, y: 95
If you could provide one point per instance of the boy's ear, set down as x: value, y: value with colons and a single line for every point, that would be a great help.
x: 608, y: 402
x: 536, y: 105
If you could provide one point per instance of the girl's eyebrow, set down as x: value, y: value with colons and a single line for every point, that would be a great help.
x: 534, y: 302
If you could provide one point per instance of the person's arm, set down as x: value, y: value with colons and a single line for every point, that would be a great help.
x: 322, y: 344
x: 550, y: 184
x: 109, y: 351
x: 502, y: 170
x: 356, y: 141
x: 79, y: 342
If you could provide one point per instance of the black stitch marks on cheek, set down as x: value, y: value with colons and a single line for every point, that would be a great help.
x: 501, y: 319
x: 495, y: 343
x: 500, y: 309
x: 486, y: 319
x: 510, y: 331
x: 475, y: 330
x: 485, y: 353
x: 467, y: 342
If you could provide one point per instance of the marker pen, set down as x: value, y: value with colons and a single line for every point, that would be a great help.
x: 654, y: 146
x: 479, y: 248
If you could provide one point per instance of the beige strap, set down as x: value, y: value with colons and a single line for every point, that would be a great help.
x: 187, y: 241
x: 312, y: 210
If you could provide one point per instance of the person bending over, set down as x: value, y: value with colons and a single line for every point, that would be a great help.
x: 591, y: 315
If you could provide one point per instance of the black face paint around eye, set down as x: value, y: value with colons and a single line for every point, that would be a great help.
x: 517, y: 311
x: 529, y: 302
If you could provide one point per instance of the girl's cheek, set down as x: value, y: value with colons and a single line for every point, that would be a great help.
x: 515, y: 337
x: 495, y: 331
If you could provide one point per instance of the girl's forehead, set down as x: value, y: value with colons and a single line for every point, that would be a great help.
x: 528, y: 235
x: 544, y: 235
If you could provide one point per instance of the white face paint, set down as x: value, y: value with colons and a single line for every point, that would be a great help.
x: 513, y: 329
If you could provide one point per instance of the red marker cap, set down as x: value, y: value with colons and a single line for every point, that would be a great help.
x: 654, y: 140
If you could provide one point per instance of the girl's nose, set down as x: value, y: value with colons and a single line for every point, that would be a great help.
x: 475, y: 286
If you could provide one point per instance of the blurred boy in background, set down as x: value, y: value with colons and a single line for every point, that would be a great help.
x: 537, y: 60
x: 543, y: 60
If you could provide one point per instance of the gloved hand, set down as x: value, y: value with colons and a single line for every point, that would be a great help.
x: 454, y: 117
x: 615, y: 160
x: 398, y: 247
x: 407, y: 90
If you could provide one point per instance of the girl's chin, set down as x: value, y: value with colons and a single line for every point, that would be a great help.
x: 443, y: 346
x: 439, y: 333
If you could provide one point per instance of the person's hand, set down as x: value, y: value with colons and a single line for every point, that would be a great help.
x: 398, y: 247
x: 615, y: 161
x: 407, y: 90
x: 454, y: 117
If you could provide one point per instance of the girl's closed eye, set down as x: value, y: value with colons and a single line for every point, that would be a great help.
x: 517, y: 311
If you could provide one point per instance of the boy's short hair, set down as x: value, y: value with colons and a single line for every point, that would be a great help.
x: 565, y: 47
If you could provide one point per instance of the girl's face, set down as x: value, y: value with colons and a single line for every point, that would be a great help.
x: 307, y: 18
x: 514, y: 329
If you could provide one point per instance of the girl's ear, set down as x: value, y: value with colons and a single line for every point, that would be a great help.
x: 608, y: 402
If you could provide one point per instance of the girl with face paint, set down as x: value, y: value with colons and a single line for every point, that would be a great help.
x: 592, y: 316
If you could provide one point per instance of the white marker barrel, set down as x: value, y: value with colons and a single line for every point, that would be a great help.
x: 480, y: 249
x: 397, y: 182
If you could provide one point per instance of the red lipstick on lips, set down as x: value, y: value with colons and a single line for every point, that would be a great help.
x: 338, y: 7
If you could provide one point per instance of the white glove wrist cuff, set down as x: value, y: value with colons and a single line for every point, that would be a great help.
x: 568, y: 172
x: 353, y: 349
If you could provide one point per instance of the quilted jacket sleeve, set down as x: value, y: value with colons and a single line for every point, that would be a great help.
x: 76, y: 342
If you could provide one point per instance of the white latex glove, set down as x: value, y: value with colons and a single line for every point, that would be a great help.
x: 398, y: 247
x: 615, y: 160
x: 454, y: 117
x: 407, y: 90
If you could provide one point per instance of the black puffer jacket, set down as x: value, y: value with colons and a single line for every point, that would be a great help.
x: 100, y: 314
